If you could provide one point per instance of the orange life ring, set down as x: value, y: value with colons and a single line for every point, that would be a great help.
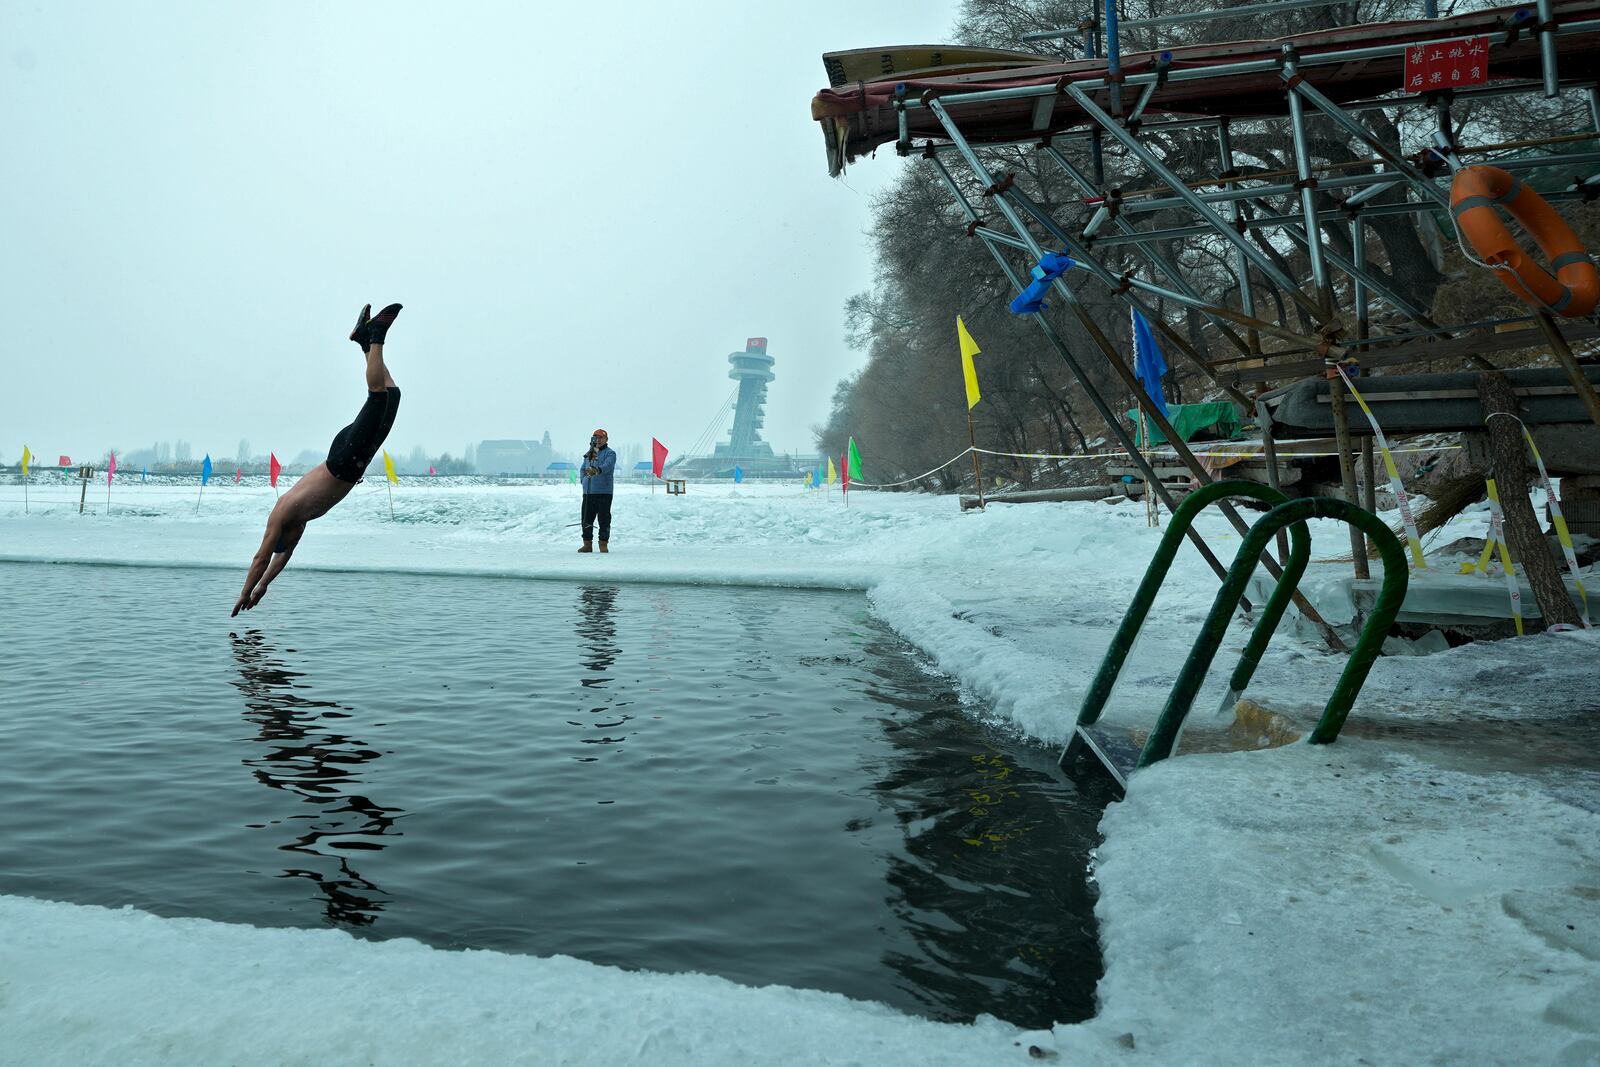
x: 1575, y: 288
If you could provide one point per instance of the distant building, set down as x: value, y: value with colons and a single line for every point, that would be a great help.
x: 513, y: 457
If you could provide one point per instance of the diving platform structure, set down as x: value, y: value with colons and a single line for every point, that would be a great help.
x: 1093, y: 160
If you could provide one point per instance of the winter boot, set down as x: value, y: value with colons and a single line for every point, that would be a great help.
x: 588, y: 546
x: 603, y: 547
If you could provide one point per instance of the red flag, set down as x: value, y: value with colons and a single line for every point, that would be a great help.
x: 844, y: 471
x: 111, y: 468
x: 274, y: 467
x: 238, y: 473
x: 66, y: 461
x: 658, y: 457
x: 430, y: 470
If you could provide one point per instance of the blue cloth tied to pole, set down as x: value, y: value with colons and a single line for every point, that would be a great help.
x: 1051, y: 266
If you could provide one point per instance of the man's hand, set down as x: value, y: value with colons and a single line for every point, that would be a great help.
x: 249, y: 600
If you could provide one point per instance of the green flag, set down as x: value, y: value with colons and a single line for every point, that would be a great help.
x: 855, y: 461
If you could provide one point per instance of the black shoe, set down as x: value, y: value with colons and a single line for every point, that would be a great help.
x: 378, y: 326
x: 359, y: 334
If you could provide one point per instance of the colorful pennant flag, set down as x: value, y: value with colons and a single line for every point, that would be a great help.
x: 26, y: 456
x: 844, y: 470
x: 111, y: 469
x: 855, y: 460
x: 738, y: 474
x: 388, y: 469
x: 274, y: 468
x: 969, y: 373
x: 430, y: 470
x: 144, y: 474
x: 238, y: 475
x: 572, y: 476
x: 658, y: 457
x: 65, y: 461
x: 833, y: 473
x: 1148, y: 364
x: 205, y: 470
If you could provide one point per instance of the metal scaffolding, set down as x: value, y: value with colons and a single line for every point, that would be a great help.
x: 1070, y: 115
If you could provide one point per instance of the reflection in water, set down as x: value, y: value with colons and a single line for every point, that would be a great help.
x: 597, y: 651
x: 991, y: 883
x: 320, y: 768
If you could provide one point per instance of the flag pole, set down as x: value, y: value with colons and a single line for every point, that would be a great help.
x: 199, y: 498
x: 1152, y: 512
x: 977, y: 472
x: 390, y: 486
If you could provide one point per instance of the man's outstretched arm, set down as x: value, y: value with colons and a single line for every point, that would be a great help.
x: 276, y: 549
x: 258, y: 567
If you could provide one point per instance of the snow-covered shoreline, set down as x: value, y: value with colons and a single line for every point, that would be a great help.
x: 1407, y: 895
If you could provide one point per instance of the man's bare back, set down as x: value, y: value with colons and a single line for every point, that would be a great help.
x: 315, y: 494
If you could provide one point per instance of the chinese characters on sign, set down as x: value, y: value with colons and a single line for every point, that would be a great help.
x: 1447, y: 64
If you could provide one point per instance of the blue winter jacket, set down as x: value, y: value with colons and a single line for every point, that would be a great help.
x: 606, y: 461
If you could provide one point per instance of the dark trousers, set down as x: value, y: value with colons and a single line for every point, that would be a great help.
x: 596, y: 506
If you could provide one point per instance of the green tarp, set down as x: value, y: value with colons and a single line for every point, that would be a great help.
x: 1220, y: 420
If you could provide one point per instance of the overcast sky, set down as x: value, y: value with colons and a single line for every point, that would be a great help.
x: 584, y: 208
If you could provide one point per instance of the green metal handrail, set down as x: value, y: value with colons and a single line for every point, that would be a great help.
x: 1390, y: 596
x: 1133, y: 621
x: 1105, y: 678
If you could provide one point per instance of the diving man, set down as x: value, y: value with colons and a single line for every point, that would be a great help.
x: 315, y: 494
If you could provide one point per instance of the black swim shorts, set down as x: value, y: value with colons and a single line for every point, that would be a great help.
x: 354, y: 446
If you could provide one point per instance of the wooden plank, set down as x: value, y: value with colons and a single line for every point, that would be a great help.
x: 1416, y: 352
x: 1451, y: 394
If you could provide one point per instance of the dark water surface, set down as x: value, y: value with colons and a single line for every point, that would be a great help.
x: 760, y: 784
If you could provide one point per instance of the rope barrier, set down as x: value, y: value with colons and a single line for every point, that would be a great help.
x: 890, y: 485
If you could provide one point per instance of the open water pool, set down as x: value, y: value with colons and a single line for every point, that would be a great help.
x: 762, y: 784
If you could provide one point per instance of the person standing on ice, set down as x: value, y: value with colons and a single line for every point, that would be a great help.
x: 598, y: 464
x: 324, y: 485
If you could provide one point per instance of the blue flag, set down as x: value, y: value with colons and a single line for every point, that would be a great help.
x: 738, y: 475
x: 205, y: 470
x: 1148, y: 365
x: 144, y: 475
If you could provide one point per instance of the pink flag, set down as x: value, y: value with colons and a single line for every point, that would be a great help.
x: 65, y: 461
x: 430, y: 470
x: 111, y: 468
x: 238, y: 473
x: 844, y: 471
x: 658, y: 457
x: 274, y: 467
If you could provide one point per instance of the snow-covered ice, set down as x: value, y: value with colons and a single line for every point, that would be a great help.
x: 1425, y: 891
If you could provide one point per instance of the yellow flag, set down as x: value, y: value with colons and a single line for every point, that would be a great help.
x: 388, y: 468
x: 969, y: 348
x: 26, y: 455
x: 833, y: 472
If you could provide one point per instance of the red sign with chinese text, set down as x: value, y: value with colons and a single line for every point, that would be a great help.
x: 1447, y: 64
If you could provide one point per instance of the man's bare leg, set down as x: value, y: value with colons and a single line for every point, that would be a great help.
x: 378, y: 377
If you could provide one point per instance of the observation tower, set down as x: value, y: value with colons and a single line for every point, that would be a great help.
x: 752, y: 369
x: 744, y: 449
